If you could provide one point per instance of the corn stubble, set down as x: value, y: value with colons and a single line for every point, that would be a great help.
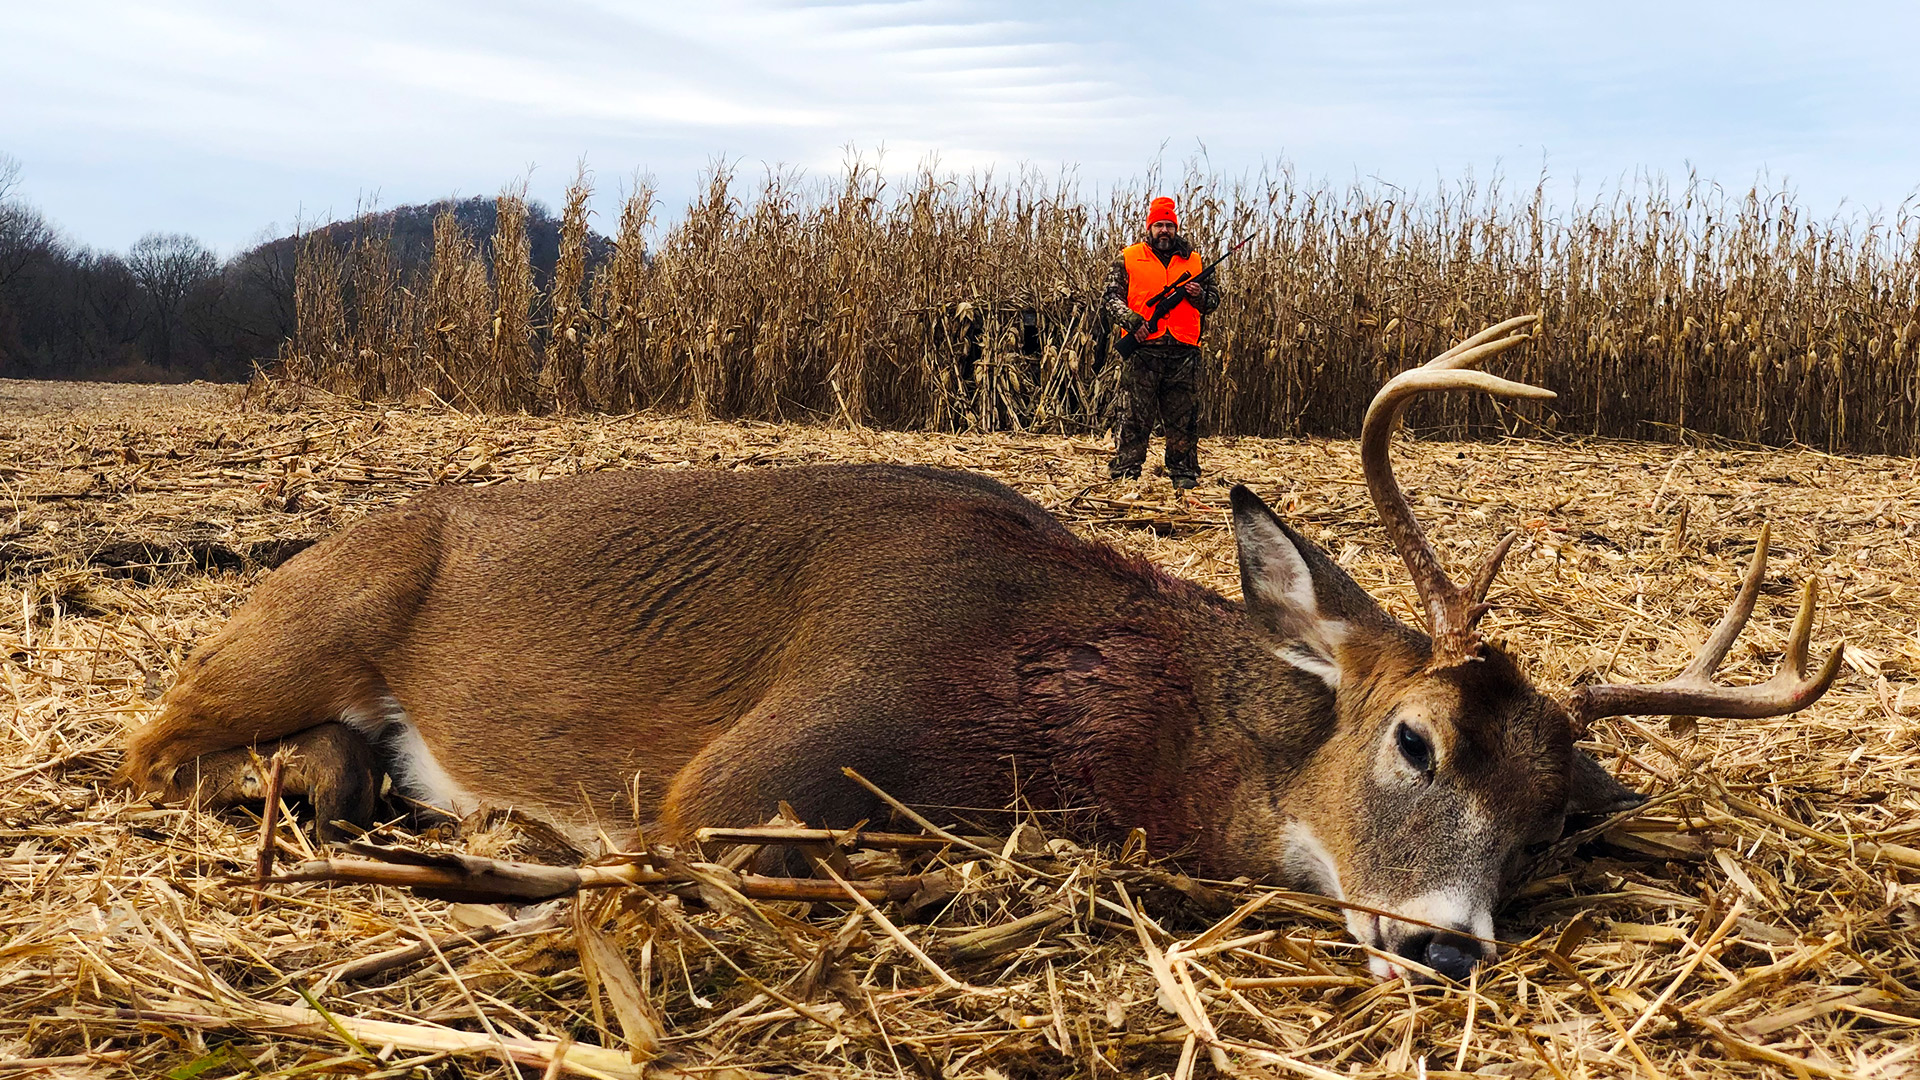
x: 1757, y: 921
x: 949, y: 303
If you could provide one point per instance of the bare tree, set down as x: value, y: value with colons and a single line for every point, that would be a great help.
x: 25, y: 236
x: 169, y: 267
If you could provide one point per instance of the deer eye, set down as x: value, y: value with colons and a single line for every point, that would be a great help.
x: 1415, y: 748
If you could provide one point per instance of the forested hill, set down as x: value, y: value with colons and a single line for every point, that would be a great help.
x: 169, y: 310
x: 409, y: 229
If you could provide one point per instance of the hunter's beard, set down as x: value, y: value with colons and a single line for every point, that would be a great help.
x: 1166, y: 245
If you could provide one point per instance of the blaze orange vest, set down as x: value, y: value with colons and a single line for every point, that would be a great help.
x: 1146, y: 278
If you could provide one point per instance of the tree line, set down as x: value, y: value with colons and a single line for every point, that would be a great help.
x: 169, y: 309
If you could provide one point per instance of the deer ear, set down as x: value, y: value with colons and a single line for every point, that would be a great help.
x: 1592, y: 790
x: 1281, y: 577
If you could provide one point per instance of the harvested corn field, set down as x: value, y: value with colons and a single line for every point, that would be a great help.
x: 1755, y: 919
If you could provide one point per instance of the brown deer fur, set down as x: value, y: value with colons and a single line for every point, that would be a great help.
x: 674, y: 649
x: 667, y: 650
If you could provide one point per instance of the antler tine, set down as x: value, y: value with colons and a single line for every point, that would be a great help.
x: 1470, y: 357
x: 1451, y: 613
x: 1693, y: 693
x: 1797, y: 642
x: 1452, y: 359
x: 1700, y: 672
x: 1483, y: 579
x: 1399, y: 391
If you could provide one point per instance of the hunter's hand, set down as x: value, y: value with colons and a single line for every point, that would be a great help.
x: 1193, y: 289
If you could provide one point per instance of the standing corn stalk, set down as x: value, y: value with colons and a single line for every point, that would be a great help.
x: 615, y: 363
x: 563, y: 377
x: 456, y: 321
x: 320, y: 314
x: 382, y: 334
x: 857, y: 299
x: 509, y: 382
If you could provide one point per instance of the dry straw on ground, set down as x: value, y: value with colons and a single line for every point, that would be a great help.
x: 972, y: 304
x: 1757, y: 919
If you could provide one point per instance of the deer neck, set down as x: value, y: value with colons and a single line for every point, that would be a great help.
x: 1194, y: 736
x: 1274, y: 738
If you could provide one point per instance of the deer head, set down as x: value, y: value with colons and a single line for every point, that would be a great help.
x: 1445, y: 763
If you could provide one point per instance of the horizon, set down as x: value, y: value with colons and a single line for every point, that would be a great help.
x: 228, y: 122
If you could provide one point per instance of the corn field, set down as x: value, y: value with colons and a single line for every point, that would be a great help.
x: 949, y: 303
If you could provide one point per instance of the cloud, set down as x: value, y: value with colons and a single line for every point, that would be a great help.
x: 215, y: 117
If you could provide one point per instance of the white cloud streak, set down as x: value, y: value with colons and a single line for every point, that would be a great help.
x: 217, y: 117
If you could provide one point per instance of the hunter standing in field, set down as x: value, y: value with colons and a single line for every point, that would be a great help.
x: 1163, y: 375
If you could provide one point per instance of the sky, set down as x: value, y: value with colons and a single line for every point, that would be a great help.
x: 232, y: 120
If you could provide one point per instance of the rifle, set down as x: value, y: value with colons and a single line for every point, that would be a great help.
x: 1169, y: 298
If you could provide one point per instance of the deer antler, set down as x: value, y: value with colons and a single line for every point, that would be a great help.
x: 1693, y: 692
x: 1451, y: 612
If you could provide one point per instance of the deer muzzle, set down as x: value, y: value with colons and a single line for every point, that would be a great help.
x: 1445, y: 933
x: 1450, y: 954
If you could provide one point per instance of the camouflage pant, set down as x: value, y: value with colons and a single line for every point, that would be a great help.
x: 1163, y: 386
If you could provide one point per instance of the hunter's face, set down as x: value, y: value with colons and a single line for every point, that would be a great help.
x: 1162, y: 230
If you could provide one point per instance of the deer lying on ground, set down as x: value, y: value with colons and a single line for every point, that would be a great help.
x: 674, y: 649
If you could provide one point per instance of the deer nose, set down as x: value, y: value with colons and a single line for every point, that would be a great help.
x: 1452, y: 955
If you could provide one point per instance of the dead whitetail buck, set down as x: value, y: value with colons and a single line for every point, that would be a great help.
x: 679, y: 649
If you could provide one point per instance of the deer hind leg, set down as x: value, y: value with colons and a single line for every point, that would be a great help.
x: 304, y: 654
x: 229, y: 698
x: 253, y: 686
x: 331, y: 765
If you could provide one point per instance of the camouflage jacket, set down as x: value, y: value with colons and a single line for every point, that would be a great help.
x: 1114, y: 300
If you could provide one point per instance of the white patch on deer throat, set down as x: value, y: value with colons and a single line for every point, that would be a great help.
x: 1307, y: 859
x: 416, y: 772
